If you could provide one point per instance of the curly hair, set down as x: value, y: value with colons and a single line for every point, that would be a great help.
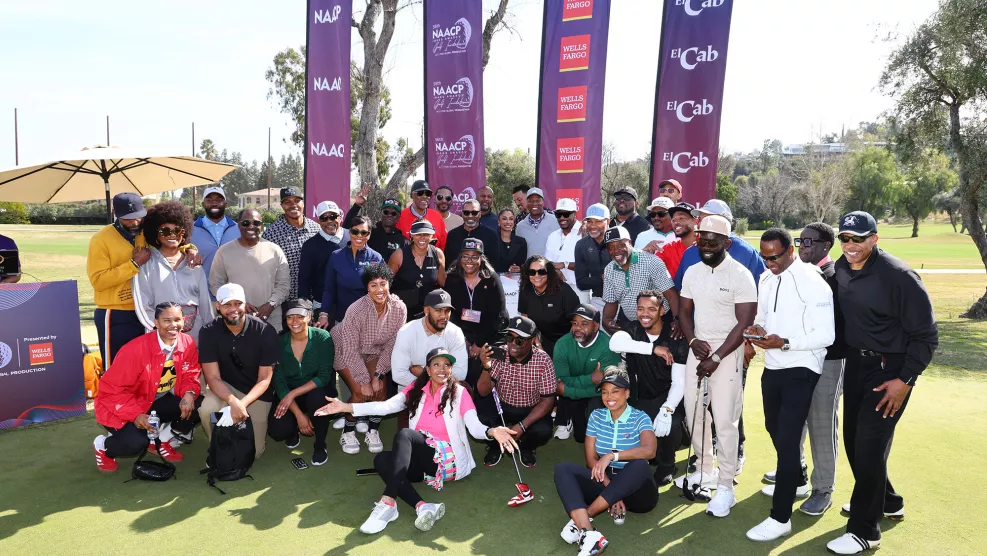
x: 553, y: 277
x: 167, y: 212
x: 375, y: 271
x: 416, y: 393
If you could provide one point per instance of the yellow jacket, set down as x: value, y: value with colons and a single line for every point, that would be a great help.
x: 110, y: 268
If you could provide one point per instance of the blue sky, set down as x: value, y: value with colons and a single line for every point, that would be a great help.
x: 795, y: 69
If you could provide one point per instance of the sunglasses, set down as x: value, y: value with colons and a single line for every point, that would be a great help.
x: 854, y: 239
x: 249, y: 223
x: 624, y: 197
x: 470, y: 212
x: 389, y: 213
x: 443, y: 197
x: 667, y: 190
x: 170, y: 232
x: 423, y: 193
x: 327, y: 217
x: 772, y: 258
x: 563, y: 213
x: 807, y: 242
x: 703, y: 242
x: 537, y: 272
x: 516, y: 340
x: 658, y: 214
x: 359, y: 233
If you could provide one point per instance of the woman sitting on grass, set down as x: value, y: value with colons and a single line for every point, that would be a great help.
x: 620, y: 441
x: 435, y: 449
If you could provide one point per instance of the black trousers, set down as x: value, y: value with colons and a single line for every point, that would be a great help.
x: 633, y: 484
x: 114, y: 328
x: 287, y: 426
x: 537, y: 435
x: 867, y: 437
x: 408, y: 461
x: 129, y: 441
x: 667, y: 445
x: 577, y: 411
x: 787, y: 394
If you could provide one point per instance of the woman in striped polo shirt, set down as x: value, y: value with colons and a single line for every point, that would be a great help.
x: 620, y: 441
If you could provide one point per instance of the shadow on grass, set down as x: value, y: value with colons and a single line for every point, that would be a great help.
x: 962, y: 349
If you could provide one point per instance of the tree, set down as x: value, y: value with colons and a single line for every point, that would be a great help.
x: 616, y: 174
x: 770, y: 196
x: 927, y: 176
x: 289, y: 172
x: 949, y: 202
x: 506, y: 170
x: 874, y: 181
x: 938, y: 79
x: 726, y: 191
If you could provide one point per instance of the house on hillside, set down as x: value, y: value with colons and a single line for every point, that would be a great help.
x: 259, y: 199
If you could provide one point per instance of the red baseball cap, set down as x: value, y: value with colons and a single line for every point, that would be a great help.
x: 673, y: 183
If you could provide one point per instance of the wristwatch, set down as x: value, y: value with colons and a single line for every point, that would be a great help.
x: 616, y: 455
x: 787, y: 346
x: 715, y: 357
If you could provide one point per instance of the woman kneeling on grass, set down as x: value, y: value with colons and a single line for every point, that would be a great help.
x: 435, y: 449
x: 620, y: 441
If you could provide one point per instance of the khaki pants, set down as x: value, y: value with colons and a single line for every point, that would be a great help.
x: 257, y: 411
x: 726, y: 401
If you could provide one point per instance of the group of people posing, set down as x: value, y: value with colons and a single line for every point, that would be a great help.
x: 631, y: 335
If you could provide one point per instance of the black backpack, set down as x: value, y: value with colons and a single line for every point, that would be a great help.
x: 231, y: 453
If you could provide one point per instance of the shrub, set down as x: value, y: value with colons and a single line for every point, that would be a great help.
x: 43, y: 214
x: 13, y: 213
x: 269, y: 216
x: 740, y: 226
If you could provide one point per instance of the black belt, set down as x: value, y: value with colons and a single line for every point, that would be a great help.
x: 869, y: 353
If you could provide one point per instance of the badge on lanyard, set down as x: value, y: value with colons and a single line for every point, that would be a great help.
x: 471, y: 315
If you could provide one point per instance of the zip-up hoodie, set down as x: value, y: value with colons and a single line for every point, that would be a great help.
x: 158, y: 282
x: 206, y: 243
x: 797, y: 305
x: 110, y: 267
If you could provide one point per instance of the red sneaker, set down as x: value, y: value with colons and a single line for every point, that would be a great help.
x: 167, y: 452
x: 103, y: 462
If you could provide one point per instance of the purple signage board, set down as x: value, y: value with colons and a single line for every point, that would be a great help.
x: 41, y: 376
x: 570, y: 111
x: 327, y: 103
x: 691, y: 72
x: 454, y: 98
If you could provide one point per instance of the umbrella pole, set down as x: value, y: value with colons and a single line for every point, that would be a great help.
x: 109, y: 208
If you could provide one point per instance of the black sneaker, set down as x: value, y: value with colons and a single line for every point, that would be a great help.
x: 527, y: 458
x: 320, y: 456
x: 493, y: 456
x: 293, y: 441
x: 665, y: 480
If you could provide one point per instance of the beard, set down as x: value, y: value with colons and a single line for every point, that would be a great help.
x: 235, y: 321
x: 216, y: 212
x: 716, y: 259
x: 435, y: 325
x: 683, y: 234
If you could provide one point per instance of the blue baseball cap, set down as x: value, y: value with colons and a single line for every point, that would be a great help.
x: 715, y: 206
x: 598, y: 211
x: 128, y: 206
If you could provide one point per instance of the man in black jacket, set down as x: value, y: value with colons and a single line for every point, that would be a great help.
x: 471, y: 228
x: 386, y: 237
x: 591, y: 253
x: 625, y: 203
x: 891, y: 334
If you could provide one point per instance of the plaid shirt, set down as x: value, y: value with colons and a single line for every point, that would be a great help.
x: 645, y: 272
x: 362, y: 335
x: 525, y: 384
x: 290, y: 240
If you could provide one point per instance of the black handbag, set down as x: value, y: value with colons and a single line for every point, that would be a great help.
x: 153, y: 470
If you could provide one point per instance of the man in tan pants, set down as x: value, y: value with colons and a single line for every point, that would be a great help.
x: 718, y: 301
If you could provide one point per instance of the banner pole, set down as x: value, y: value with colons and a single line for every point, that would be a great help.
x: 541, y: 91
x: 654, y: 119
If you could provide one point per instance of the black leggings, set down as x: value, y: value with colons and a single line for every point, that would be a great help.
x: 129, y: 441
x: 287, y: 426
x: 409, y: 460
x: 633, y: 484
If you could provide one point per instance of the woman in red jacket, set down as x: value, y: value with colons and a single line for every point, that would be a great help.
x: 158, y: 371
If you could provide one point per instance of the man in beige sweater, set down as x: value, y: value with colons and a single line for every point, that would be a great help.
x: 259, y: 266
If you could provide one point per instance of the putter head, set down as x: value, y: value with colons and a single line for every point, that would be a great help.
x: 702, y: 493
x: 523, y: 496
x: 688, y: 491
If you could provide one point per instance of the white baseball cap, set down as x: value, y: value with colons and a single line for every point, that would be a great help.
x: 214, y: 189
x: 535, y: 191
x: 661, y: 202
x: 566, y: 204
x: 230, y: 292
x: 327, y: 206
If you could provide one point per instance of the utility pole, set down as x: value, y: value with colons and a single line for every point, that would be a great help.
x: 17, y: 157
x: 268, y: 168
x: 107, y: 131
x: 193, y: 155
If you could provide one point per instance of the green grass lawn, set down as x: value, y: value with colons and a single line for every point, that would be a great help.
x: 52, y: 499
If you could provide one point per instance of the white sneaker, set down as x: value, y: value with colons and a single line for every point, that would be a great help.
x: 428, y: 514
x: 349, y: 443
x: 769, y: 530
x: 562, y: 432
x: 709, y: 480
x: 893, y: 516
x: 801, y: 492
x: 362, y: 427
x: 851, y: 544
x: 722, y: 501
x: 592, y: 543
x: 570, y: 533
x: 339, y: 424
x: 379, y: 518
x: 373, y: 441
x: 771, y: 476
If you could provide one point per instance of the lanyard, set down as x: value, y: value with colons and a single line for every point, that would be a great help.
x: 469, y: 290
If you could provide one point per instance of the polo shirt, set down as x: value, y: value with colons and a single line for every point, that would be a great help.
x: 645, y: 272
x: 344, y: 279
x: 635, y: 224
x: 525, y: 383
x: 562, y: 249
x: 739, y: 249
x: 591, y: 260
x: 256, y: 346
x: 714, y: 292
x: 549, y: 311
x: 490, y: 220
x: 536, y: 233
x: 316, y: 363
x: 456, y: 236
x: 620, y: 435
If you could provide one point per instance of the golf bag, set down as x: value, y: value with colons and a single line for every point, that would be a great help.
x: 231, y: 453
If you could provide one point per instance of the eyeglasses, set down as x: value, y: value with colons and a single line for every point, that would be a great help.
x: 537, y: 272
x: 389, y: 213
x: 658, y: 214
x: 516, y: 340
x: 772, y: 258
x: 667, y: 190
x: 425, y: 193
x: 563, y: 213
x: 475, y: 257
x: 249, y: 223
x: 807, y: 242
x: 327, y: 217
x: 359, y: 233
x: 623, y: 197
x: 704, y: 242
x: 470, y: 212
x: 443, y: 197
x: 170, y: 232
x: 854, y: 239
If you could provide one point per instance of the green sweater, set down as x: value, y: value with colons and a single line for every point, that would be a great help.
x: 574, y: 364
x: 316, y: 363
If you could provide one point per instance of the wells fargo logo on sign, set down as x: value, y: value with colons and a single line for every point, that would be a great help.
x: 574, y: 53
x: 577, y: 9
x: 572, y: 104
x: 41, y: 354
x: 570, y: 155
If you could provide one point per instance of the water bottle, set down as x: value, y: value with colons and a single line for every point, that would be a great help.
x: 153, y: 421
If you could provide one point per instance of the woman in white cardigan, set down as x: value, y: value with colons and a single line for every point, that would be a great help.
x: 435, y: 449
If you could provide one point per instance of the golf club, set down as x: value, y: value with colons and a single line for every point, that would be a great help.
x: 701, y: 492
x: 687, y: 491
x: 523, y: 492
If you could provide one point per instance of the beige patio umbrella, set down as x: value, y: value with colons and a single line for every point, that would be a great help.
x: 98, y: 172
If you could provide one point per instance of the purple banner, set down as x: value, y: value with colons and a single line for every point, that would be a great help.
x: 41, y: 377
x: 454, y: 98
x: 691, y: 71
x: 570, y: 113
x: 327, y: 104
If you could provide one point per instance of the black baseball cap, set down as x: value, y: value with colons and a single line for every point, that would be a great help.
x: 522, y: 326
x: 438, y: 299
x: 422, y: 227
x: 439, y: 352
x: 420, y: 185
x: 616, y: 233
x: 586, y: 311
x: 682, y: 207
x: 616, y: 376
x: 393, y: 203
x: 290, y: 192
x: 858, y: 223
x: 472, y: 244
x: 128, y: 206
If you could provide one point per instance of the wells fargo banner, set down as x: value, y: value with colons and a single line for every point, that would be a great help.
x: 41, y: 376
x: 570, y: 112
x: 691, y: 71
x: 327, y: 103
x: 454, y: 98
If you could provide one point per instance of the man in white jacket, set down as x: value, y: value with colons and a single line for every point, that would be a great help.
x: 794, y: 325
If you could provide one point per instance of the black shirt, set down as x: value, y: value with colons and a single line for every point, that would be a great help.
x: 381, y: 241
x: 256, y: 346
x: 887, y: 309
x: 502, y: 255
x: 635, y: 224
x: 651, y: 377
x: 591, y: 258
x: 455, y: 237
x: 549, y: 311
x: 838, y: 349
x: 487, y: 298
x: 312, y: 268
x: 412, y: 283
